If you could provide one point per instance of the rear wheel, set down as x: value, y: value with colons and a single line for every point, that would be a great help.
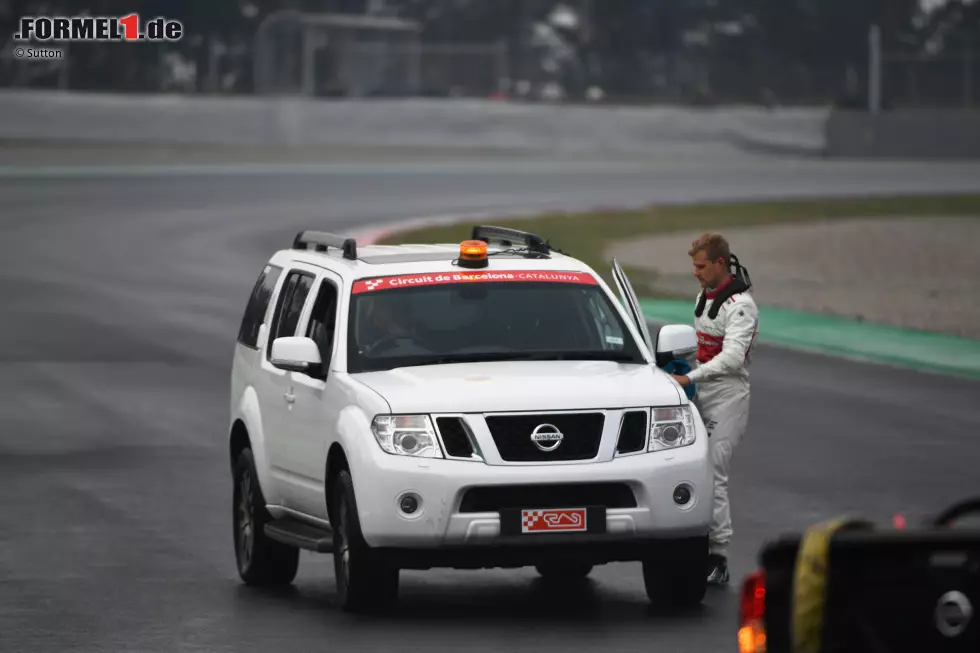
x: 676, y: 576
x: 365, y: 582
x: 260, y: 559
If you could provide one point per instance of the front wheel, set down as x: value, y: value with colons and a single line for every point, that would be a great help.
x: 676, y: 576
x: 260, y: 559
x: 364, y: 581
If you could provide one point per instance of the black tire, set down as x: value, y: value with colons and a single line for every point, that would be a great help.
x: 677, y: 575
x: 365, y: 582
x: 558, y: 572
x: 261, y: 561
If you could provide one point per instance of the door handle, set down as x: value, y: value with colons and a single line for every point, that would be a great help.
x: 290, y: 398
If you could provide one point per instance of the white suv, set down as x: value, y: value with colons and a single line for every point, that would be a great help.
x: 474, y: 405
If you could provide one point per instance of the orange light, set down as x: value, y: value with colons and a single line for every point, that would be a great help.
x: 472, y: 250
x: 752, y: 611
x: 751, y: 639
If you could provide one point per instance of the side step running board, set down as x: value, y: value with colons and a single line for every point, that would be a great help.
x: 299, y: 534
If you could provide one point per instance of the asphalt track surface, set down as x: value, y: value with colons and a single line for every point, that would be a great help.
x: 121, y: 299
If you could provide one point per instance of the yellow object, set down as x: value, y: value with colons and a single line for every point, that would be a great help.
x: 752, y: 639
x: 472, y: 250
x: 810, y: 581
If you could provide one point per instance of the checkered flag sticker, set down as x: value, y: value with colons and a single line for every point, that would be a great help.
x: 531, y: 518
x: 373, y: 283
x: 553, y: 520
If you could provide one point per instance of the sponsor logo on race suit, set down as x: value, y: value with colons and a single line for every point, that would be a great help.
x: 709, y: 346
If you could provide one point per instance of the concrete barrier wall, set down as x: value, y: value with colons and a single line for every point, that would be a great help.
x: 293, y: 122
x: 904, y: 134
x: 464, y: 124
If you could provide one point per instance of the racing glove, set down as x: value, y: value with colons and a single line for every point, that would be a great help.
x: 682, y: 368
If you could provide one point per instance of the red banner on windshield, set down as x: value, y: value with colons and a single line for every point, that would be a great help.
x: 472, y: 276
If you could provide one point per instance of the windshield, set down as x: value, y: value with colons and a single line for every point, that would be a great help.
x: 484, y: 316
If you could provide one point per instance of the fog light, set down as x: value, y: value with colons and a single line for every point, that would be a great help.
x: 682, y: 495
x: 409, y: 504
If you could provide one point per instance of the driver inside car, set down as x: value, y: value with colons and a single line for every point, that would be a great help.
x: 389, y: 321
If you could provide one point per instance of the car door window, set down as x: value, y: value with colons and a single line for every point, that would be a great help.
x: 290, y: 306
x: 258, y: 303
x: 323, y: 320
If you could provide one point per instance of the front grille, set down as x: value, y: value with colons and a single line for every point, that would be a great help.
x: 454, y: 437
x: 632, y: 432
x: 562, y: 495
x: 512, y: 434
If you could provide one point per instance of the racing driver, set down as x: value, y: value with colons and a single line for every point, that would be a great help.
x: 727, y: 322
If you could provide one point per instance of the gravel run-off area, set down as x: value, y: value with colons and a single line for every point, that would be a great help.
x: 907, y: 272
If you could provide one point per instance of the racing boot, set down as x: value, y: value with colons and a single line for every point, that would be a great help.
x: 717, y: 570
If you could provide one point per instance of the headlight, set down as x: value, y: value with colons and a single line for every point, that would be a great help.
x: 673, y: 427
x: 406, y: 435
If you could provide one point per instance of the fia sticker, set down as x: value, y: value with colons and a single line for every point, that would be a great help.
x: 614, y: 340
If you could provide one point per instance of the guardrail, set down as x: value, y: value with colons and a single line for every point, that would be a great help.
x: 449, y: 123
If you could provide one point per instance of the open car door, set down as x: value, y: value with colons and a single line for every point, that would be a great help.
x: 633, y: 306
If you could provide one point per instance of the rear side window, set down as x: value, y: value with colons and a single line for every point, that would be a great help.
x: 258, y: 303
x: 290, y: 306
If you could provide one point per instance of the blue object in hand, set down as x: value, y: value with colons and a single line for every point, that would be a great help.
x: 681, y: 368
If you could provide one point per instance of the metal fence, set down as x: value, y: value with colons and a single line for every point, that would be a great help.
x: 762, y: 83
x: 921, y: 80
x: 365, y: 56
x: 948, y: 81
x: 18, y: 71
x: 338, y: 55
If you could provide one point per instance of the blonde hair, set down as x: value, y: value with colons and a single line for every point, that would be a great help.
x: 713, y: 245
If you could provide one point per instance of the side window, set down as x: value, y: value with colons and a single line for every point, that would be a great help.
x: 258, y: 304
x: 289, y: 306
x: 323, y: 320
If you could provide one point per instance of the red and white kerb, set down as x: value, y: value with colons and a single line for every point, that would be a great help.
x: 477, y: 276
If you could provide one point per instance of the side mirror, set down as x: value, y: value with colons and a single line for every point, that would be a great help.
x: 676, y: 341
x: 296, y: 354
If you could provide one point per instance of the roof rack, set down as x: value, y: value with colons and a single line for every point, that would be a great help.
x: 323, y: 240
x: 508, y: 237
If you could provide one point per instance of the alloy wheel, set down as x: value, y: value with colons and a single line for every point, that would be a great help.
x: 245, y: 522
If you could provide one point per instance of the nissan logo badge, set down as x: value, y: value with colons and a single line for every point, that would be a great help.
x: 546, y: 437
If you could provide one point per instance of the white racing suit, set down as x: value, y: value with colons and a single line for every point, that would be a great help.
x: 722, y: 378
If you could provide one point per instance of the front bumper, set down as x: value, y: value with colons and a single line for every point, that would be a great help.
x: 460, y: 502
